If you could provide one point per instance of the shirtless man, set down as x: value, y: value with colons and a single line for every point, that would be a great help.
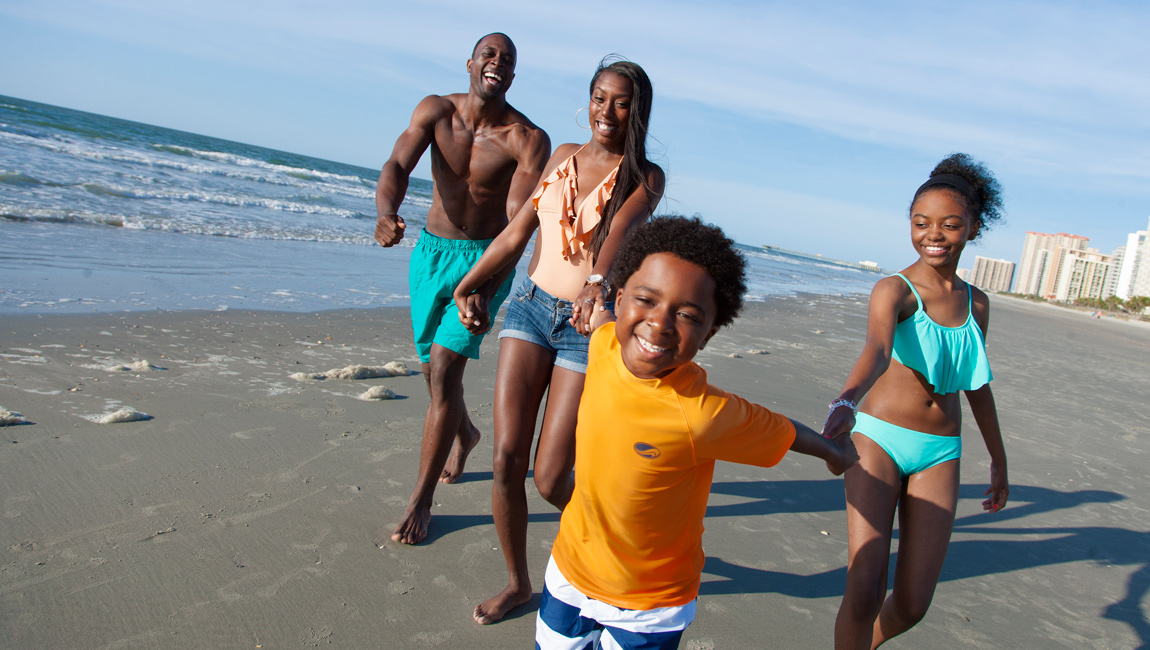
x: 486, y: 158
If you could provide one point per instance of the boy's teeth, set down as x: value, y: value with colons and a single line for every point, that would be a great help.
x: 651, y: 348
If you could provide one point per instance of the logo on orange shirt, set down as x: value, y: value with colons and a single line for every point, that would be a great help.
x: 646, y: 451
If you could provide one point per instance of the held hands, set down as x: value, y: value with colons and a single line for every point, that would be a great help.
x: 999, y: 489
x: 601, y: 316
x: 473, y: 312
x: 590, y: 309
x: 843, y: 456
x: 837, y: 431
x: 389, y: 229
x: 838, y: 453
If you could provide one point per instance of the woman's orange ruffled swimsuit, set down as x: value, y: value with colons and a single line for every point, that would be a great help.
x: 565, y: 230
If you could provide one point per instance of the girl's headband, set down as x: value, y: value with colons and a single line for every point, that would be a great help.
x: 950, y: 180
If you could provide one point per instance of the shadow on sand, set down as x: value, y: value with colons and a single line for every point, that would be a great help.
x: 1000, y: 550
x: 966, y: 558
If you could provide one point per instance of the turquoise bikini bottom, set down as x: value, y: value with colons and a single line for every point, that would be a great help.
x: 912, y: 451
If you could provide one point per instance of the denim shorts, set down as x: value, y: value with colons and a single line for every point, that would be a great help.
x: 535, y: 316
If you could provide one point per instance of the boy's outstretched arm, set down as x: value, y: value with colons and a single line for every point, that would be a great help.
x: 839, y: 452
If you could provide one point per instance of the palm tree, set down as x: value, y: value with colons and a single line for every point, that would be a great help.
x: 1137, y: 304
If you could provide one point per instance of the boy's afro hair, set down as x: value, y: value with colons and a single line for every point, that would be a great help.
x: 695, y: 242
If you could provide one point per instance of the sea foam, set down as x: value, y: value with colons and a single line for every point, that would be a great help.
x: 9, y: 418
x: 127, y: 414
x: 390, y: 369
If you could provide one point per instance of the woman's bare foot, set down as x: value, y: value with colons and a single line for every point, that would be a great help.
x: 496, y: 607
x: 413, y: 528
x: 459, y: 452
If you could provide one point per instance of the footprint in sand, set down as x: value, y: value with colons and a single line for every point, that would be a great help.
x: 432, y: 638
x: 250, y: 433
x: 10, y: 508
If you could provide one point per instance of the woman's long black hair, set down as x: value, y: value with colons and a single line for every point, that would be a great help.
x: 634, y: 168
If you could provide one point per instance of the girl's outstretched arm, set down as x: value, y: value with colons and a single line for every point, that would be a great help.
x: 986, y: 416
x: 887, y: 300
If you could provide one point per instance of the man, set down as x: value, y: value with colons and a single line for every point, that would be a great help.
x: 486, y: 158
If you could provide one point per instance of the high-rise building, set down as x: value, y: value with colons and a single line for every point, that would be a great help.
x: 1141, y: 286
x: 992, y: 274
x: 1116, y: 257
x: 1043, y: 258
x: 1083, y: 275
x: 1135, y: 266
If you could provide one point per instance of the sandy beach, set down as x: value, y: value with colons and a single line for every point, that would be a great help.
x: 252, y: 510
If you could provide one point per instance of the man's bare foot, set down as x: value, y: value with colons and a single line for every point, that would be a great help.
x: 454, y: 467
x: 413, y: 528
x: 496, y: 607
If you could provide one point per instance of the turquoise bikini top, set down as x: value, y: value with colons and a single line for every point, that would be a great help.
x: 950, y: 358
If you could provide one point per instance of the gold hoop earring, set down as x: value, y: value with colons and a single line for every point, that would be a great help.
x: 588, y: 118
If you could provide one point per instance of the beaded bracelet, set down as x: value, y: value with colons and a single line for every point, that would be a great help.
x: 843, y: 402
x: 837, y: 403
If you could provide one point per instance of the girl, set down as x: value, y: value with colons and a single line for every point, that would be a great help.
x: 925, y: 342
x: 590, y: 196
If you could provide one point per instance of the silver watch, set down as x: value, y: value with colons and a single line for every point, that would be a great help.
x: 597, y: 280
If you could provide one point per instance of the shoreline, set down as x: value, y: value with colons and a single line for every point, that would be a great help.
x: 1085, y: 311
x: 254, y: 509
x: 83, y: 269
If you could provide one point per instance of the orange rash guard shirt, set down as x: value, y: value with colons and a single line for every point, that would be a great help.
x: 645, y: 452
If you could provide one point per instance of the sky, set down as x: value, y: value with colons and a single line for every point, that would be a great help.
x: 803, y: 126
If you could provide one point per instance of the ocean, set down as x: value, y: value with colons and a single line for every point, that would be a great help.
x: 99, y: 214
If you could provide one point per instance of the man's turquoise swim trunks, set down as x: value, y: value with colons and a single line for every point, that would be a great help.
x: 437, y: 266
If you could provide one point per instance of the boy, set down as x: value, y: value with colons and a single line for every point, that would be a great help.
x: 625, y: 568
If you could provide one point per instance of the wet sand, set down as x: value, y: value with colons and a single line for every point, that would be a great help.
x: 253, y: 510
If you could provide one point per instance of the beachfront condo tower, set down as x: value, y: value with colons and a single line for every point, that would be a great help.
x: 1042, y: 261
x: 992, y: 275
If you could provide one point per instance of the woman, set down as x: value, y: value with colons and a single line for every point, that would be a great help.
x: 925, y: 342
x: 590, y: 196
